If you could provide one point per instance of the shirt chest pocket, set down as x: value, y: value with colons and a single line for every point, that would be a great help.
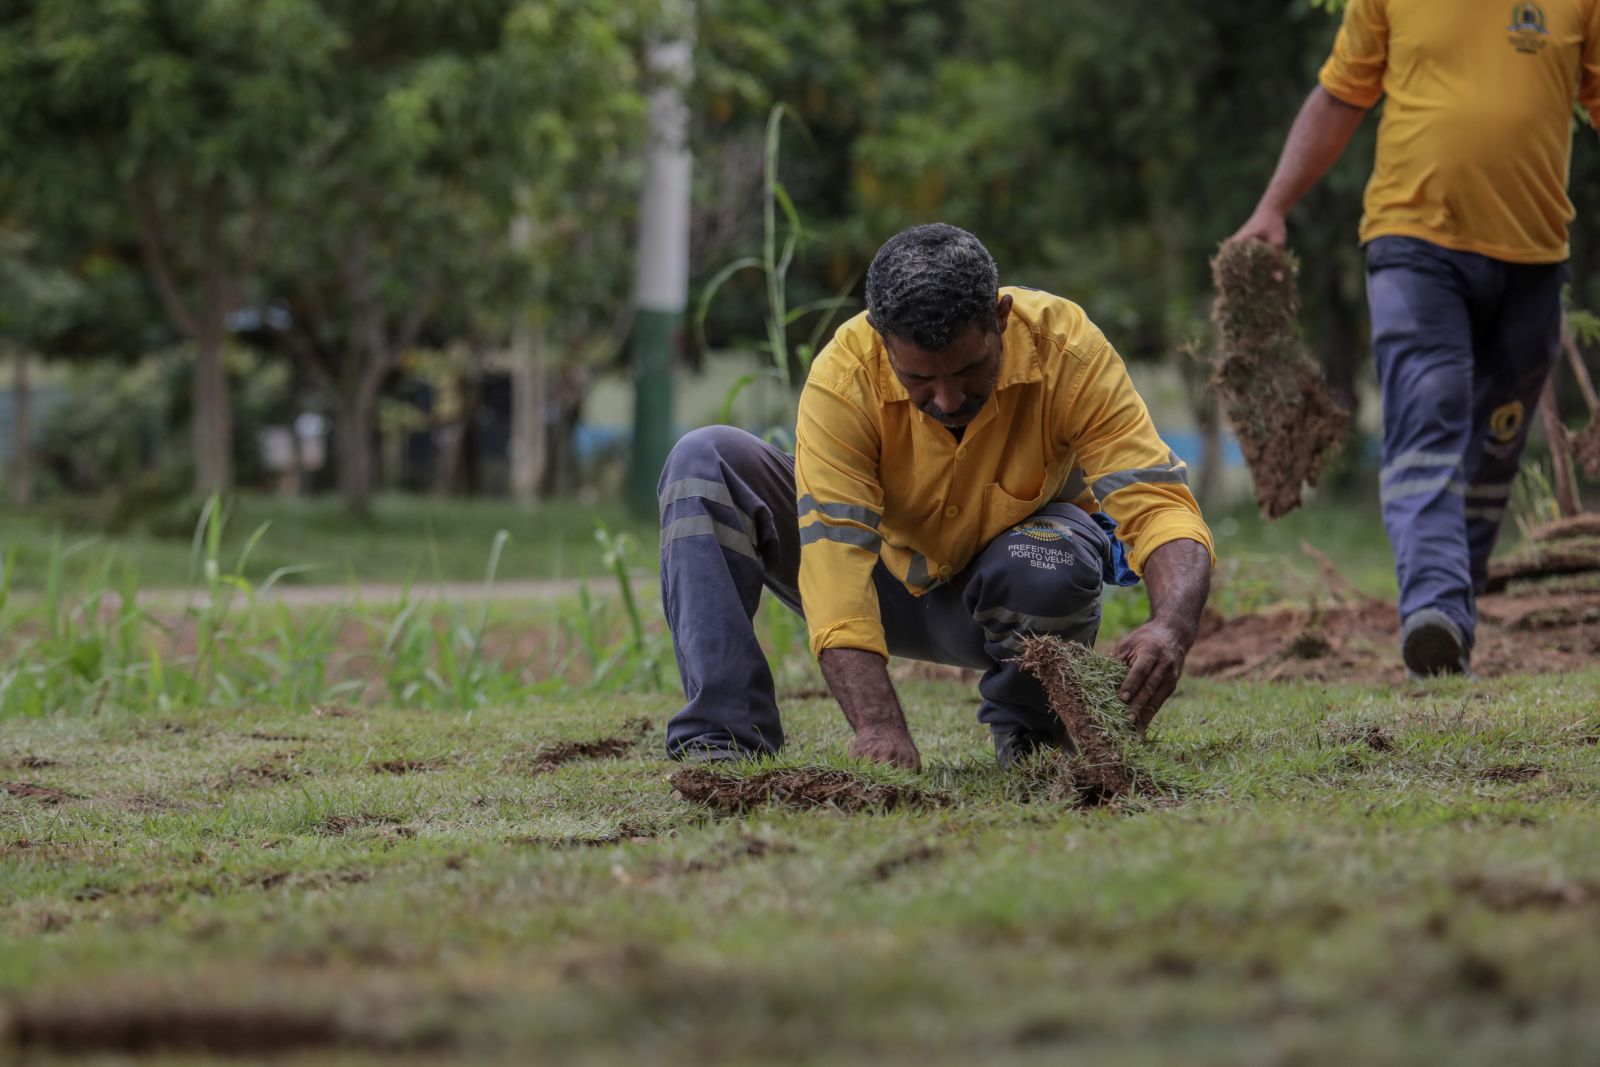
x: 1002, y: 510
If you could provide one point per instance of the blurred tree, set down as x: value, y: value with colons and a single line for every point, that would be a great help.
x: 185, y: 115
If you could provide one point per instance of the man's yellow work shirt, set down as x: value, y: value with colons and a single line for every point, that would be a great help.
x: 877, y: 477
x: 1476, y: 138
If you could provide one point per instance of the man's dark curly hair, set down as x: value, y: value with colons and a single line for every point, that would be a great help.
x: 926, y: 284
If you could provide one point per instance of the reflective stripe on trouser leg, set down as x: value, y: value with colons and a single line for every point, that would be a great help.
x: 728, y: 527
x: 1511, y: 367
x: 1422, y: 340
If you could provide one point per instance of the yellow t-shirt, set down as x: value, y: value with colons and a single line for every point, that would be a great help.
x: 877, y: 477
x: 1476, y: 139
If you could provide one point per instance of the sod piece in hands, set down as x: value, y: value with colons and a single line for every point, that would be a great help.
x: 1271, y: 388
x: 1082, y: 687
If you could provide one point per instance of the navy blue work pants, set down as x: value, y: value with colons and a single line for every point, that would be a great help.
x: 730, y: 527
x: 1463, y: 344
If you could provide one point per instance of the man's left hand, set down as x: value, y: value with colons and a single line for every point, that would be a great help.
x: 1154, y: 654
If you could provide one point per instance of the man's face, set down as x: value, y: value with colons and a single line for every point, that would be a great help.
x: 952, y: 385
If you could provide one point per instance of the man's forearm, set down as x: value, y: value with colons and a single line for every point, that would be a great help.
x: 860, y: 683
x: 1316, y: 141
x: 1178, y: 575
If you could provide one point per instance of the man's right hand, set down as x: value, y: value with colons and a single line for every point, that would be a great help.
x: 887, y: 745
x: 1265, y: 225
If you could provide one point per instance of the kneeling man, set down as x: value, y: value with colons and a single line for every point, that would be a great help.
x: 971, y: 465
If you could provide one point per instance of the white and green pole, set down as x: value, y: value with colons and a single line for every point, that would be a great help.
x: 661, y: 268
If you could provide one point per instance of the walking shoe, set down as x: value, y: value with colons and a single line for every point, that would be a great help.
x: 1431, y: 643
x: 1013, y: 746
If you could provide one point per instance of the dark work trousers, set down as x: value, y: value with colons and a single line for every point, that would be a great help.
x: 1463, y: 344
x: 729, y: 526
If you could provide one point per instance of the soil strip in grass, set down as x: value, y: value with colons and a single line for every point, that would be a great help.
x: 552, y: 756
x: 806, y: 787
x: 42, y: 793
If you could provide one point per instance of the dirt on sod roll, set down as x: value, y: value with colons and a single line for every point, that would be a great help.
x: 1271, y: 388
x: 1082, y: 687
x: 801, y: 787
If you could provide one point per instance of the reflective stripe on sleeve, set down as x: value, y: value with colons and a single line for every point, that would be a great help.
x: 1174, y: 472
x: 839, y: 512
x: 845, y: 535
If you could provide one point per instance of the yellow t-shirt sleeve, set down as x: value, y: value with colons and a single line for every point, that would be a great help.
x: 1589, y: 76
x: 841, y: 507
x: 1137, y: 479
x: 1354, y: 70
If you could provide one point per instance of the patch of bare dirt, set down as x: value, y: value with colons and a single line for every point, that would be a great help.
x: 1515, y: 772
x: 70, y: 1028
x: 1517, y: 894
x: 720, y: 858
x: 1082, y: 689
x: 31, y: 763
x: 798, y: 788
x: 552, y: 756
x: 278, y: 767
x: 626, y: 833
x: 1552, y: 631
x: 335, y: 711
x: 1371, y: 734
x: 261, y: 735
x: 42, y: 793
x: 403, y: 766
x: 1271, y: 388
x: 339, y: 825
x: 915, y: 856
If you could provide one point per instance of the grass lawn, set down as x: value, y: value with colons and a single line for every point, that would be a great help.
x: 1326, y: 875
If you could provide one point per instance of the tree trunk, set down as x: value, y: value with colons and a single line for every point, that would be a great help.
x: 661, y: 262
x: 355, y: 451
x: 529, y: 406
x: 213, y: 419
x: 21, y: 451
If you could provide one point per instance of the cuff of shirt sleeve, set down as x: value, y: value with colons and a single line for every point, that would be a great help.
x: 1175, y: 530
x: 857, y: 632
x: 1347, y: 92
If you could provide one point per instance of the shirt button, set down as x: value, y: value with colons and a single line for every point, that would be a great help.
x: 951, y: 512
x: 944, y: 572
x: 961, y: 453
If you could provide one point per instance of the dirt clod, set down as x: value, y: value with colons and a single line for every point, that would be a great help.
x: 804, y: 787
x: 552, y: 756
x: 1082, y: 690
x: 42, y: 793
x: 1271, y: 388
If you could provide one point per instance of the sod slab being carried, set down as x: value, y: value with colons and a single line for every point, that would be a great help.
x: 1271, y: 389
